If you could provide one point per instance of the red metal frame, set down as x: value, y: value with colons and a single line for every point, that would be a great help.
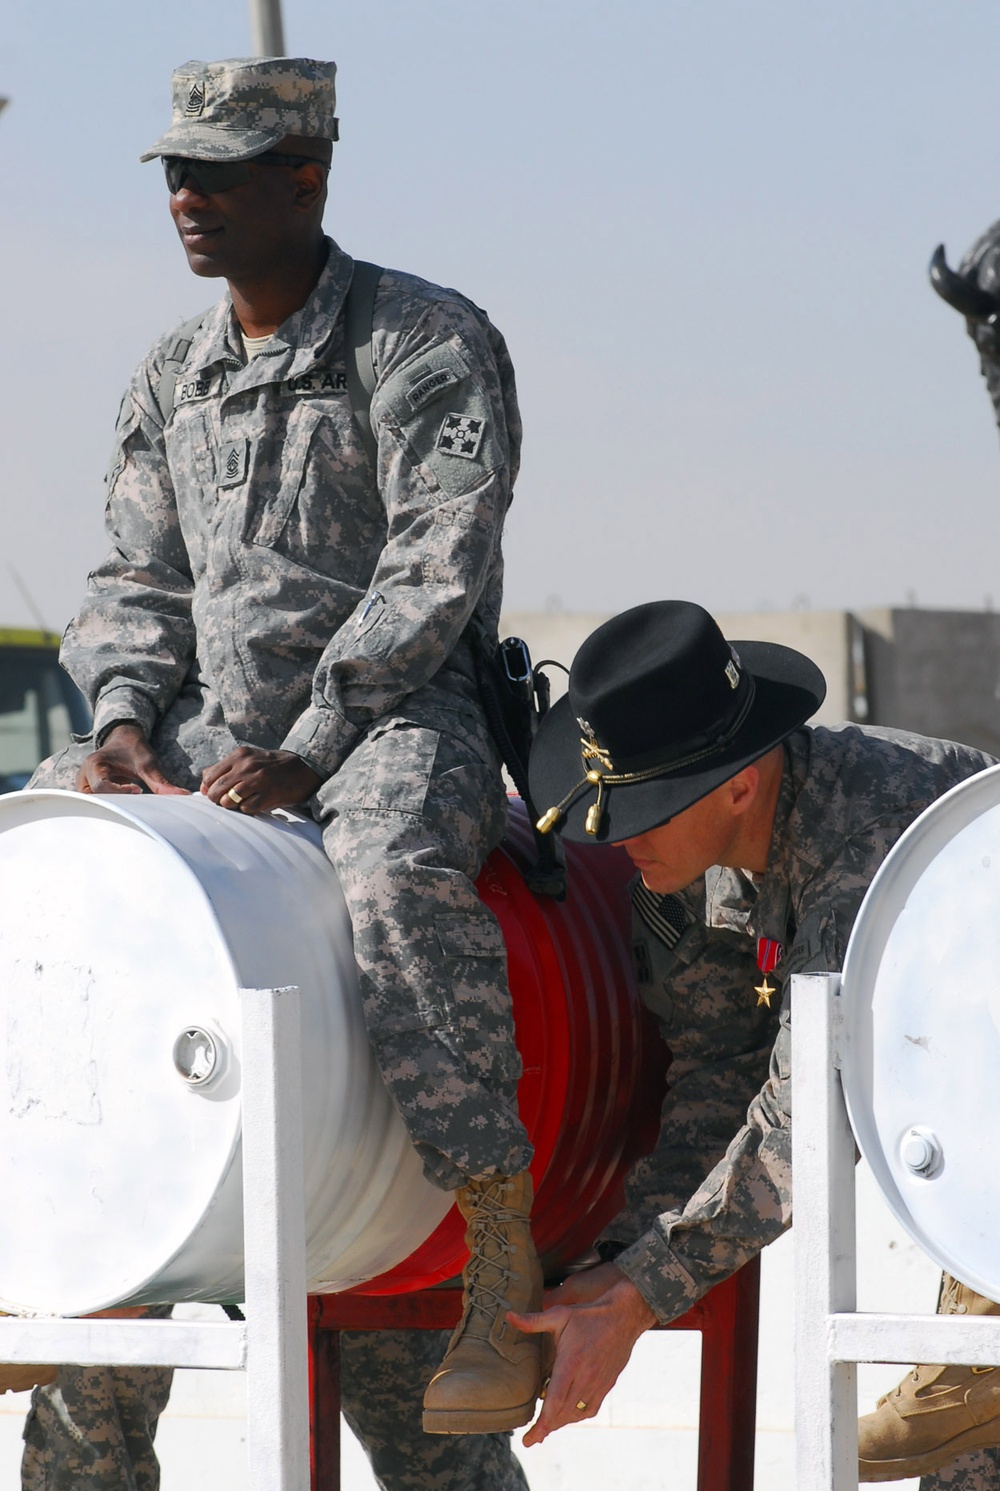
x: 727, y: 1318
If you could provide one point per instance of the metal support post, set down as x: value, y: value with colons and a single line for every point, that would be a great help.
x: 830, y: 1335
x: 826, y: 1396
x: 267, y: 34
x: 274, y: 1243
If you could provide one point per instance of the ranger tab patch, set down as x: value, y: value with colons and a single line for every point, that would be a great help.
x: 429, y: 386
x: 461, y: 435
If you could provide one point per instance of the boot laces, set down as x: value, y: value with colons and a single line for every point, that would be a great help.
x: 949, y: 1304
x: 490, y: 1255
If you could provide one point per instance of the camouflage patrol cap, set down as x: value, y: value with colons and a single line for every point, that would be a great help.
x: 236, y: 109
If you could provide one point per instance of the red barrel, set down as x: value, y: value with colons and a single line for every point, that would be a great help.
x: 594, y: 1063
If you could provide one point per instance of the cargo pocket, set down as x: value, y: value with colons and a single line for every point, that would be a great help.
x: 463, y: 936
x: 399, y: 762
x: 265, y: 526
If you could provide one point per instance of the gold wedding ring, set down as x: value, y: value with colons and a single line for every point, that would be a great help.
x: 582, y: 1407
x: 234, y: 795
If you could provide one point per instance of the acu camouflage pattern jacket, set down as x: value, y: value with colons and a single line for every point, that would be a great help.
x: 264, y: 585
x: 845, y: 798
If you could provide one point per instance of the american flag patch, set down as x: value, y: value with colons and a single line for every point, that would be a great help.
x: 665, y: 917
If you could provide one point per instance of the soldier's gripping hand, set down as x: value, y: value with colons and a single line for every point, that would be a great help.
x: 126, y: 762
x: 593, y: 1342
x: 583, y: 1285
x: 250, y: 780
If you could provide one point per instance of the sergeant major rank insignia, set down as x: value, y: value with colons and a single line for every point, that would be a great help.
x: 461, y: 435
x: 233, y: 461
x: 195, y: 100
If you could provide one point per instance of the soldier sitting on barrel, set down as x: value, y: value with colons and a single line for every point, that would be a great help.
x: 744, y: 824
x: 289, y: 615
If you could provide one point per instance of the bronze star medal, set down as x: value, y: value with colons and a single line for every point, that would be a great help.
x: 763, y: 992
x: 769, y: 951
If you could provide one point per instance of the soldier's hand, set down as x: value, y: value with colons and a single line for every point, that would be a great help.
x: 593, y: 1341
x: 250, y: 780
x: 126, y: 762
x: 583, y: 1285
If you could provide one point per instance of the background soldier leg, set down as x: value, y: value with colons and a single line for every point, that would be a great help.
x: 976, y: 1472
x: 383, y: 1375
x: 93, y: 1428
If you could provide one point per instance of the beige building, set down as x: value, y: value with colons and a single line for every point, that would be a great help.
x: 935, y: 672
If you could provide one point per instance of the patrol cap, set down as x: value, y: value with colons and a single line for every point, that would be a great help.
x: 236, y: 109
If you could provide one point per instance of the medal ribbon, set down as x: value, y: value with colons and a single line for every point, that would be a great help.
x: 769, y: 952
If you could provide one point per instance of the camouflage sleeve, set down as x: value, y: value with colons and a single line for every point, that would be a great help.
x: 446, y: 452
x: 746, y: 1200
x: 720, y: 1039
x: 130, y: 645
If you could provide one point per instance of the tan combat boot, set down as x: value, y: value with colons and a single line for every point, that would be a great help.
x: 16, y: 1377
x: 491, y: 1374
x: 936, y: 1413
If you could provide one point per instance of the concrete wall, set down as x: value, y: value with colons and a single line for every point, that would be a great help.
x: 935, y: 672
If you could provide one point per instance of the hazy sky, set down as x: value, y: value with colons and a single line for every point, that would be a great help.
x: 703, y: 226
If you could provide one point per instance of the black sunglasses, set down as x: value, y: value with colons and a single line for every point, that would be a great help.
x: 210, y: 177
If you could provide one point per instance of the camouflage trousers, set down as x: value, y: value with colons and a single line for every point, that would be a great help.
x: 93, y: 1429
x: 978, y: 1471
x: 407, y: 823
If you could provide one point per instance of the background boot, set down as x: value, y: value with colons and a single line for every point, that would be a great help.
x: 16, y: 1377
x: 491, y: 1374
x: 936, y: 1413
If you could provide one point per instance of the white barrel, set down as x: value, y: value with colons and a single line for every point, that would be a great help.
x: 921, y: 1040
x: 127, y: 927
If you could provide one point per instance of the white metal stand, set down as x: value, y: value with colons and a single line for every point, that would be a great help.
x: 272, y: 1344
x: 830, y: 1335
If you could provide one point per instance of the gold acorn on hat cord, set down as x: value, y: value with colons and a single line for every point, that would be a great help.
x: 590, y: 750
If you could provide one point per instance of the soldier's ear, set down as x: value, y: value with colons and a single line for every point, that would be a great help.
x: 310, y: 184
x: 742, y: 789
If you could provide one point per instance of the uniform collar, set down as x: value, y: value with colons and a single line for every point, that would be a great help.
x: 299, y: 344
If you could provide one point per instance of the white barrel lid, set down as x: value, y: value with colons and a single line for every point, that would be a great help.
x: 921, y: 1038
x: 78, y: 1154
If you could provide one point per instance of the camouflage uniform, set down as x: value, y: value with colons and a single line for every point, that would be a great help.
x: 846, y: 796
x: 267, y: 587
x: 93, y: 1430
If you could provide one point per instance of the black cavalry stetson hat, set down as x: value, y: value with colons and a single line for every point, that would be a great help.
x: 661, y: 710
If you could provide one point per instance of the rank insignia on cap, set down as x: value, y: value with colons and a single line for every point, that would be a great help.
x: 195, y: 100
x: 461, y: 435
x: 733, y: 674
